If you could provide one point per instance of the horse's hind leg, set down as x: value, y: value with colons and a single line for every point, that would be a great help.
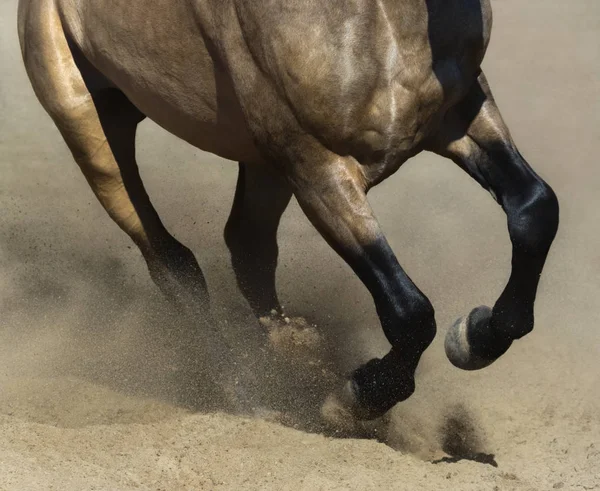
x: 99, y: 125
x: 113, y: 175
x: 475, y: 137
x: 261, y: 197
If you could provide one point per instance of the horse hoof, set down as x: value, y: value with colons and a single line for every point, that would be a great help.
x: 342, y: 409
x: 337, y: 412
x: 458, y: 347
x: 345, y: 417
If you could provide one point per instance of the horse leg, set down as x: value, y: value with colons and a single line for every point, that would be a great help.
x: 476, y: 138
x: 333, y: 196
x: 99, y: 128
x: 260, y: 199
x: 119, y: 187
x: 98, y: 123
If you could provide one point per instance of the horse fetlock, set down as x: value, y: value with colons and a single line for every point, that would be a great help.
x: 380, y: 384
x: 511, y: 320
x: 177, y: 274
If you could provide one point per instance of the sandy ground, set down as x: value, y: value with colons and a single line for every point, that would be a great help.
x: 100, y: 387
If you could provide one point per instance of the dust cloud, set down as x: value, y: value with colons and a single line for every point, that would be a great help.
x: 104, y: 386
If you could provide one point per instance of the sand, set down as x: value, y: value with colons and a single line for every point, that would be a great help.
x: 103, y: 386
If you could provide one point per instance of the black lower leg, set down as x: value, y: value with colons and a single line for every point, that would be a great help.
x: 408, y: 321
x: 532, y: 212
x: 475, y: 136
x: 175, y: 270
x: 335, y: 202
x: 251, y: 235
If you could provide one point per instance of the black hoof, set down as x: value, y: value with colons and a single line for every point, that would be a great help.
x: 459, y: 349
x: 343, y: 411
x: 344, y: 416
x: 373, y: 390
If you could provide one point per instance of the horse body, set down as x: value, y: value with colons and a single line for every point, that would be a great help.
x: 321, y: 100
x: 375, y: 96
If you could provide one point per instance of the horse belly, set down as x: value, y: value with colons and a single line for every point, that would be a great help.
x: 166, y: 72
x: 214, y: 126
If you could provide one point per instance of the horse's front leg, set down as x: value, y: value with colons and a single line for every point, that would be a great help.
x: 476, y: 138
x: 332, y: 193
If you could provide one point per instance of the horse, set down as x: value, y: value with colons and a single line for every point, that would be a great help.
x: 316, y: 100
